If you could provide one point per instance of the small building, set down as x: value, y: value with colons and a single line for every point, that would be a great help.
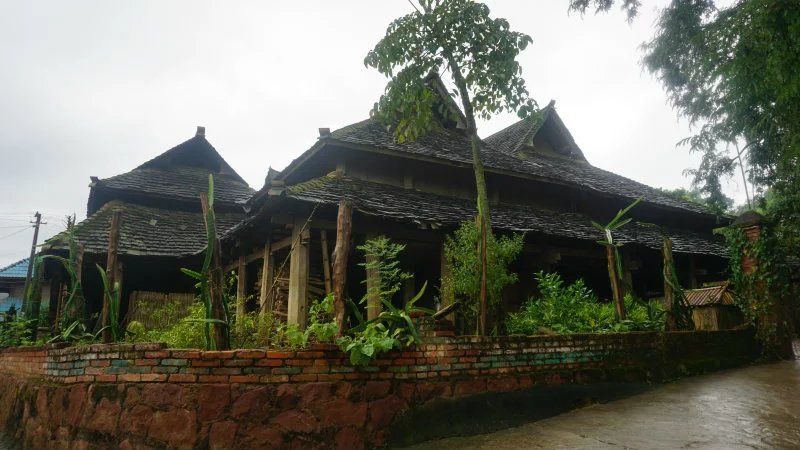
x: 539, y: 181
x: 12, y: 287
x: 713, y: 307
x: 161, y: 225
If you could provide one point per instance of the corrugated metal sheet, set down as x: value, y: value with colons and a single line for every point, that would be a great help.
x: 17, y: 270
x: 707, y: 296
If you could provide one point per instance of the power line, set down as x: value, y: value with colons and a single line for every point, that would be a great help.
x: 15, y: 226
x: 14, y: 233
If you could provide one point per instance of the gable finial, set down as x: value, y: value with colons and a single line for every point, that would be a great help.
x: 201, y: 131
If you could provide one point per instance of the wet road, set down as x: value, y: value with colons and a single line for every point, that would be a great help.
x: 752, y: 407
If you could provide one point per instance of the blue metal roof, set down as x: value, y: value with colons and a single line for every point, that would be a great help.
x: 17, y: 270
x: 8, y: 302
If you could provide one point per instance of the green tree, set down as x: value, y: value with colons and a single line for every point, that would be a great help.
x: 731, y: 70
x: 458, y: 38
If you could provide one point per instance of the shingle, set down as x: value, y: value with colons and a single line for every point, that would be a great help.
x: 431, y: 210
x: 453, y: 145
x: 179, y: 182
x: 146, y: 230
x: 18, y: 269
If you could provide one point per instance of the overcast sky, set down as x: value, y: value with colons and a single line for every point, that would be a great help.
x: 98, y: 87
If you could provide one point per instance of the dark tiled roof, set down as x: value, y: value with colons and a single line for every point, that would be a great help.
x: 707, y: 296
x: 146, y: 231
x: 434, y: 211
x: 453, y: 145
x: 180, y: 182
x: 16, y: 270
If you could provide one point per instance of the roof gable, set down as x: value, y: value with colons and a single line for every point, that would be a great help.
x: 15, y: 270
x: 181, y: 173
x: 195, y: 152
x: 543, y: 134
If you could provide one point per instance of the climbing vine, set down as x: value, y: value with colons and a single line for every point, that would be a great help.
x: 761, y: 279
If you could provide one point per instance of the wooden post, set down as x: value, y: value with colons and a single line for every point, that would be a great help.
x: 111, y: 276
x: 241, y: 289
x: 341, y: 253
x: 326, y: 262
x: 446, y: 290
x: 693, y: 281
x: 669, y: 293
x: 616, y: 284
x: 216, y: 281
x: 267, y: 278
x: 373, y: 286
x: 298, y: 275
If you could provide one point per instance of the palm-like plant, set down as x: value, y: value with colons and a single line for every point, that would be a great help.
x: 612, y: 254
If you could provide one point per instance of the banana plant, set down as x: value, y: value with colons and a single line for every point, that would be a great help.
x: 112, y: 293
x: 612, y: 254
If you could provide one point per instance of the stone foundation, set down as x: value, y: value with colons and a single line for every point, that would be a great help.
x: 146, y: 396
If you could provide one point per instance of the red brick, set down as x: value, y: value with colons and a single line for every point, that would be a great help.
x: 238, y: 362
x: 105, y: 378
x: 310, y: 355
x: 244, y: 378
x: 146, y: 362
x: 269, y: 363
x: 280, y: 355
x: 182, y: 378
x: 212, y: 378
x: 218, y: 354
x: 251, y: 354
x: 153, y: 377
x: 206, y: 362
x: 156, y: 355
x: 304, y: 377
x: 129, y: 378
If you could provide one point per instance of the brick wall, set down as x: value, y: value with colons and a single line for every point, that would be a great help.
x: 441, y: 357
x: 147, y: 396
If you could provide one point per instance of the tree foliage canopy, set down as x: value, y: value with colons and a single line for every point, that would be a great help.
x: 455, y: 35
x: 732, y: 71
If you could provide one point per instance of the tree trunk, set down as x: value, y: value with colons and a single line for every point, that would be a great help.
x: 341, y: 252
x: 669, y: 293
x: 111, y: 276
x: 216, y: 281
x: 616, y: 282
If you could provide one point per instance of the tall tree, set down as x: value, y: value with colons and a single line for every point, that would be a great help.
x: 460, y: 39
x: 730, y: 68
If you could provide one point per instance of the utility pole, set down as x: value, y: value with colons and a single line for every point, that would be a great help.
x: 36, y: 224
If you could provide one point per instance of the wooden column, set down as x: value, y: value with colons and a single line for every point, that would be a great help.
x: 693, y: 281
x: 298, y: 274
x: 616, y: 284
x: 374, y: 306
x: 326, y: 261
x: 669, y: 293
x: 446, y: 290
x: 341, y: 253
x: 111, y: 275
x: 267, y: 279
x: 241, y: 288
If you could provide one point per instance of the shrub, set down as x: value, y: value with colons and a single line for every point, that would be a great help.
x: 574, y: 308
x: 462, y: 255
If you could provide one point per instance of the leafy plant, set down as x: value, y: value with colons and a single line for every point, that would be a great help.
x: 112, y: 293
x: 74, y: 307
x: 382, y: 257
x: 574, y: 308
x: 393, y: 328
x: 15, y: 332
x: 614, y: 260
x: 74, y: 333
x: 210, y: 283
x: 466, y: 269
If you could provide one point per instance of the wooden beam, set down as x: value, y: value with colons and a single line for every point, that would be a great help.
x: 298, y: 275
x: 111, y: 276
x: 341, y: 252
x: 669, y: 293
x: 616, y: 282
x: 326, y: 262
x: 241, y: 288
x: 267, y: 279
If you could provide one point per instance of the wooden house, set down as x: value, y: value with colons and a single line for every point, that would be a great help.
x: 539, y: 181
x: 12, y: 287
x: 161, y: 224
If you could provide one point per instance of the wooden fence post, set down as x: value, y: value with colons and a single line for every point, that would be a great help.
x: 341, y: 252
x: 111, y: 276
x: 297, y: 307
x: 267, y: 278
